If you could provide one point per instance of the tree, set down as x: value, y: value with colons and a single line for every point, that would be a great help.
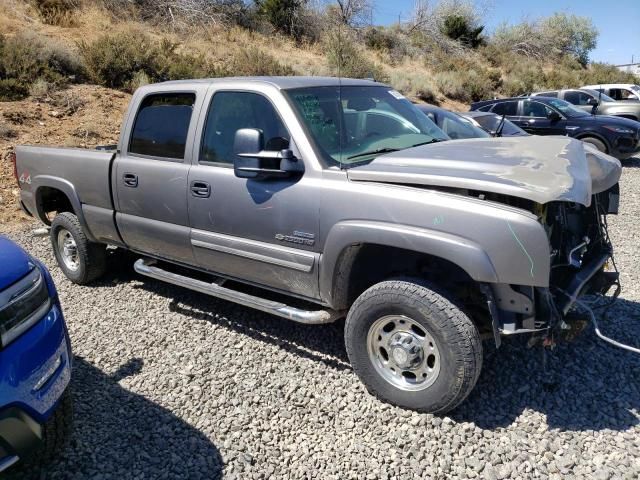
x: 570, y: 35
x: 458, y: 28
x: 282, y: 14
x: 354, y: 13
x: 554, y: 36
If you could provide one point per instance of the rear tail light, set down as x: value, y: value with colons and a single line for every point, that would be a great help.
x: 12, y: 159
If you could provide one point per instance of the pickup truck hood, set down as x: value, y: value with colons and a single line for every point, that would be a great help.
x: 541, y: 169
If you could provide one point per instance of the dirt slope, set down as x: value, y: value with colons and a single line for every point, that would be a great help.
x: 80, y: 116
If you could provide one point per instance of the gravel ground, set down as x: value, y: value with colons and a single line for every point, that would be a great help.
x: 173, y: 384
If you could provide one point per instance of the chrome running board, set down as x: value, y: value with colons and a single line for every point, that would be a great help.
x: 147, y: 267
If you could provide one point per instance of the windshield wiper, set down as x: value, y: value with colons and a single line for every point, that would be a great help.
x: 373, y: 152
x: 433, y: 140
x: 389, y: 150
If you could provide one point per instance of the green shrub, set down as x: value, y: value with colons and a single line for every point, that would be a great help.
x: 477, y: 85
x: 604, y: 73
x: 27, y: 57
x: 347, y: 60
x: 253, y: 61
x: 450, y: 84
x: 458, y: 27
x: 126, y: 59
x: 468, y: 85
x: 56, y: 12
x: 113, y: 60
x: 174, y: 65
x: 414, y: 85
x: 282, y: 14
x: 379, y: 38
x: 41, y: 88
x: 12, y: 89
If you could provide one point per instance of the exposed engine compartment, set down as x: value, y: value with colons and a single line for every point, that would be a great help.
x: 578, y: 238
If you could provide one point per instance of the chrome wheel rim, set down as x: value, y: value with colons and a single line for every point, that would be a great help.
x: 403, y: 352
x: 68, y: 250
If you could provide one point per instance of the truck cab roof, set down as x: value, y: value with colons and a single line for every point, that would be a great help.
x: 283, y: 83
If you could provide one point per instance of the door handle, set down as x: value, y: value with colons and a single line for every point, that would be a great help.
x: 200, y: 189
x: 130, y: 180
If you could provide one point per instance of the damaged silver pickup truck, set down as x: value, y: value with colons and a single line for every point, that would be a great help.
x: 338, y: 198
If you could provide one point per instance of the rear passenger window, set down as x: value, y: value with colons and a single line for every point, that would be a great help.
x: 231, y: 111
x: 506, y: 108
x: 162, y: 124
x: 577, y: 98
x: 535, y: 109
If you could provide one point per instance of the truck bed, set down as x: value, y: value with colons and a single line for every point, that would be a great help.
x: 83, y: 175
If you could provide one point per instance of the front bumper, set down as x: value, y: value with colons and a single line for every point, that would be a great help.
x: 35, y: 370
x: 20, y: 435
x: 625, y: 147
x: 523, y: 309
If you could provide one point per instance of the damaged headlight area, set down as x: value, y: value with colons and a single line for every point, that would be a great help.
x: 582, y: 259
x: 581, y: 263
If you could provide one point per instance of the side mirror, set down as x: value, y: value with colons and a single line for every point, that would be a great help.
x: 554, y: 116
x: 252, y: 161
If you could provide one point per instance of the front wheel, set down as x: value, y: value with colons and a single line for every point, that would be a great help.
x: 599, y: 144
x: 412, y: 346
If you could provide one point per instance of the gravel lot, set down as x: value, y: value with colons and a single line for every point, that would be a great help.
x: 170, y: 383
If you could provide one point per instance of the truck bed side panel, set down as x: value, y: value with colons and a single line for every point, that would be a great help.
x: 82, y: 175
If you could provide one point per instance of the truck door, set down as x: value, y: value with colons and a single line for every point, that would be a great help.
x: 151, y: 172
x: 263, y: 231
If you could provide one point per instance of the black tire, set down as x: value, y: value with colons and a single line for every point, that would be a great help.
x: 91, y: 257
x: 55, y: 432
x: 456, y: 337
x: 599, y: 144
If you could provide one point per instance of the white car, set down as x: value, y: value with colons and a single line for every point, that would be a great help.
x: 618, y: 91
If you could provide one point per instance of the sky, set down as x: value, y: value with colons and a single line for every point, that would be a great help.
x: 618, y: 21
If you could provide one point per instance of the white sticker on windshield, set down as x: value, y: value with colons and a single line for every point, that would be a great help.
x: 396, y: 94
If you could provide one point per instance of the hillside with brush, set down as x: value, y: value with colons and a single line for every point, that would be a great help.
x: 68, y: 67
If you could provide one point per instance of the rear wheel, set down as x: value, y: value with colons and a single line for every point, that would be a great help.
x: 81, y: 261
x: 599, y: 144
x: 412, y: 346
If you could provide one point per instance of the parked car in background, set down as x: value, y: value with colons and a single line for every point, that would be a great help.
x: 453, y: 124
x: 619, y: 137
x: 627, y: 92
x: 594, y: 102
x: 490, y: 122
x: 35, y: 360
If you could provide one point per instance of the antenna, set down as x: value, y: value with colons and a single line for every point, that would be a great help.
x: 339, y: 106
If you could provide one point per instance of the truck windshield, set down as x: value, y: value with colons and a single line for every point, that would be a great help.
x: 351, y: 125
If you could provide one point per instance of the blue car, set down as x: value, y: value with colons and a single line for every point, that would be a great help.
x: 35, y: 361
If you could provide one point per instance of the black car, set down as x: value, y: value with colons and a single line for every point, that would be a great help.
x: 453, y: 124
x: 491, y: 123
x: 619, y: 137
